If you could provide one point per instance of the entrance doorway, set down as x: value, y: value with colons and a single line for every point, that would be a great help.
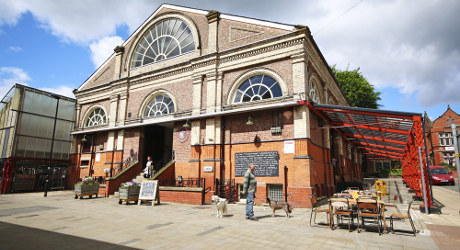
x: 158, y: 142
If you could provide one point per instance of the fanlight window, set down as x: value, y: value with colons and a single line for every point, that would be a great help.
x: 160, y: 105
x: 166, y: 39
x: 97, y: 117
x: 258, y: 88
x: 313, y: 94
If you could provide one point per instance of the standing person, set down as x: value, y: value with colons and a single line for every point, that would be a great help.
x: 148, y: 167
x: 250, y: 187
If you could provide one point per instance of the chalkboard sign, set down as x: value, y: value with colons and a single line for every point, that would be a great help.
x: 149, y: 191
x: 266, y: 163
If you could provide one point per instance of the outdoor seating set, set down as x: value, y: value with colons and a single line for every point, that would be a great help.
x: 364, y: 205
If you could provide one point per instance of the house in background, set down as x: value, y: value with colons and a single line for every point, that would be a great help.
x: 35, y: 139
x: 439, y: 137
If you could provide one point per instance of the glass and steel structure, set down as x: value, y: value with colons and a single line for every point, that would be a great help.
x: 35, y: 137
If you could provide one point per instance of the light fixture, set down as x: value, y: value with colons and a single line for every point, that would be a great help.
x: 186, y: 125
x: 101, y: 147
x: 249, y: 122
x: 84, y: 139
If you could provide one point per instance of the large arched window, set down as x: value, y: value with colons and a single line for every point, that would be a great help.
x: 256, y: 88
x: 96, y: 117
x: 159, y: 105
x: 167, y: 38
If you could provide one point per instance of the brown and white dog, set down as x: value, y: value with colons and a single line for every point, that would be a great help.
x: 221, y: 205
x: 275, y: 205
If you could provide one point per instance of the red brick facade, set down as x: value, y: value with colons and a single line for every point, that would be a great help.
x: 439, y: 137
x: 202, y: 85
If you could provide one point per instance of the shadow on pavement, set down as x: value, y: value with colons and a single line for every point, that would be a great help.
x: 20, y: 237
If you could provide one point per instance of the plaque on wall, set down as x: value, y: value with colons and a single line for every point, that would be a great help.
x: 266, y: 163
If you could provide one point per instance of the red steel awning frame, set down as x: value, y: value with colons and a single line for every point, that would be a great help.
x: 382, y: 134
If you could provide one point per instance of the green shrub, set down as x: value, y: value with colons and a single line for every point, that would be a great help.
x: 396, y: 172
x: 447, y: 166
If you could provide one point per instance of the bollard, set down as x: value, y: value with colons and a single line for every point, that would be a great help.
x: 46, y: 189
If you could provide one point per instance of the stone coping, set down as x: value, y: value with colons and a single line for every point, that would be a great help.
x: 183, y: 189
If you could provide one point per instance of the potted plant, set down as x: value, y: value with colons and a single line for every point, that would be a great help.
x: 86, y: 187
x: 129, y: 191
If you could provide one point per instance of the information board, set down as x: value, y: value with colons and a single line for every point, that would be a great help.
x: 266, y: 163
x: 149, y: 191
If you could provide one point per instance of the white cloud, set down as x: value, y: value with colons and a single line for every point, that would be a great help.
x: 103, y: 48
x: 10, y: 76
x: 411, y: 45
x: 61, y: 90
x: 15, y: 48
x: 79, y: 21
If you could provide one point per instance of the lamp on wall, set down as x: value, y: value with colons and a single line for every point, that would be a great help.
x: 249, y: 122
x: 84, y: 139
x: 101, y: 147
x: 187, y: 124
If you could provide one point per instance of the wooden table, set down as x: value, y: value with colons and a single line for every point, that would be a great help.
x: 352, y: 201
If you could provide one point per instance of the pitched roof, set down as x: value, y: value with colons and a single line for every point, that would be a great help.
x: 249, y: 20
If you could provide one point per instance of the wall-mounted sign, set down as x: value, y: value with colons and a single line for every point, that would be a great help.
x: 266, y: 163
x: 98, y: 156
x: 207, y: 169
x: 289, y: 147
x: 182, y: 134
x: 275, y: 130
x: 449, y: 148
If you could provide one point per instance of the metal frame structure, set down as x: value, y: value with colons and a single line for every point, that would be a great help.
x: 382, y: 134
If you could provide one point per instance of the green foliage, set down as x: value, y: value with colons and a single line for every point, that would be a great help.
x: 447, y: 166
x: 357, y: 89
x: 396, y: 172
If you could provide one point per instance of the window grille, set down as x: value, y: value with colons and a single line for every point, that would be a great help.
x: 159, y: 105
x: 97, y: 117
x: 257, y: 88
x: 275, y: 192
x: 166, y: 39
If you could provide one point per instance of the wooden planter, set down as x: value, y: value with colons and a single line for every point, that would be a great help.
x: 128, y: 194
x: 86, y: 190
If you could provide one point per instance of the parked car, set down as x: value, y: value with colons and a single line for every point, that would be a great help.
x: 440, y: 175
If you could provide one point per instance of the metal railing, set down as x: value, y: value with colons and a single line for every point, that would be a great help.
x: 182, y: 182
x: 122, y: 166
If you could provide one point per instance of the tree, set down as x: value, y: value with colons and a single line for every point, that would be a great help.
x: 357, y: 89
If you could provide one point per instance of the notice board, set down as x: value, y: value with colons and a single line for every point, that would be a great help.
x: 149, y: 191
x: 266, y: 163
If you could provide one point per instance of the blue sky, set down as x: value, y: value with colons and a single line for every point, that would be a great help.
x: 409, y: 50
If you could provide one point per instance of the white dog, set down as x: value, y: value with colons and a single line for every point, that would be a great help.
x: 221, y: 205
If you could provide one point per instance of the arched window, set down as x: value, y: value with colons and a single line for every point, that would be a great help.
x: 166, y: 39
x: 159, y: 105
x: 314, y: 94
x: 256, y: 88
x: 96, y: 117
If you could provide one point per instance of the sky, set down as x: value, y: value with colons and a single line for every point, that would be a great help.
x: 408, y: 49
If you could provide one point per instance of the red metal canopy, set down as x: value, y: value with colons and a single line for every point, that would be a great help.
x: 382, y: 134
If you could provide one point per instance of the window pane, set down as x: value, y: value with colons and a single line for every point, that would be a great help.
x: 158, y: 43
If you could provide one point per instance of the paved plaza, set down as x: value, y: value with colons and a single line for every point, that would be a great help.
x: 31, y: 221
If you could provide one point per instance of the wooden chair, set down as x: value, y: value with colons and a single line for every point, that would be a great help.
x: 342, y: 209
x: 369, y: 209
x: 400, y: 216
x: 316, y: 210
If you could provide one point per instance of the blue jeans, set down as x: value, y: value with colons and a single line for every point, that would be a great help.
x: 249, y: 205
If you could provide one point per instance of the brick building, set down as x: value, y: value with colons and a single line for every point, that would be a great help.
x: 204, y: 93
x: 439, y: 137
